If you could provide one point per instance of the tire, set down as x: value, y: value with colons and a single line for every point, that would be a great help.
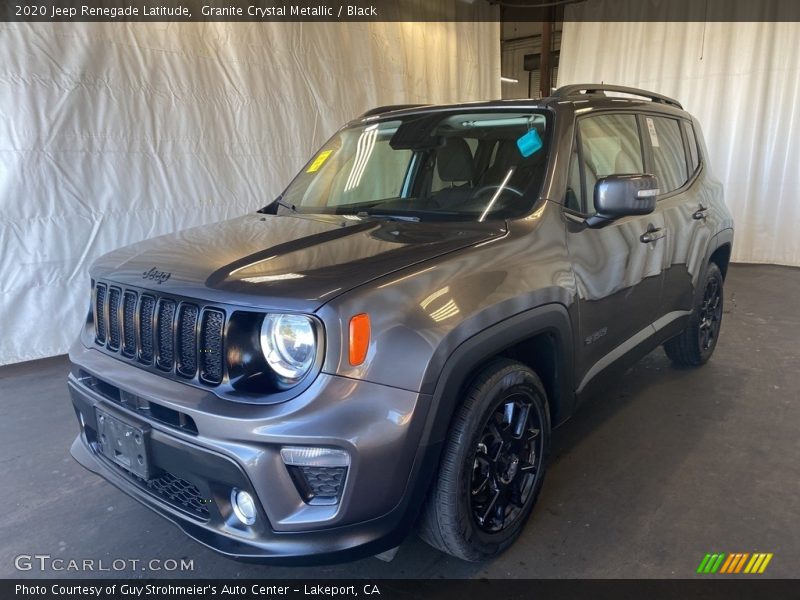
x: 695, y: 344
x: 491, y: 452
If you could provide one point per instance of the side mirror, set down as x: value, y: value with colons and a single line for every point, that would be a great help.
x: 619, y: 196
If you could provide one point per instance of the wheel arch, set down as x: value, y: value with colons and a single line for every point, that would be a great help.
x: 540, y: 338
x: 719, y: 253
x: 721, y: 257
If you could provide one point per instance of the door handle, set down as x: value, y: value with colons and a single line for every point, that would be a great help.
x: 651, y: 235
x: 700, y: 213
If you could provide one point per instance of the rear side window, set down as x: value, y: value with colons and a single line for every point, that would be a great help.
x: 608, y: 145
x: 694, y: 153
x: 669, y: 156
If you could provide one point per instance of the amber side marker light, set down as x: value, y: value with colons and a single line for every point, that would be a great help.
x: 359, y: 338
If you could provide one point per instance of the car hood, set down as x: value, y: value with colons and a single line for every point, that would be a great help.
x: 296, y: 262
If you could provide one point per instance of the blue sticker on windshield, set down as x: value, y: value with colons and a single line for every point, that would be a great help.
x: 530, y: 143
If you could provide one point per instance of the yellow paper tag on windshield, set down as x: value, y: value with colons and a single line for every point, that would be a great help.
x: 319, y: 161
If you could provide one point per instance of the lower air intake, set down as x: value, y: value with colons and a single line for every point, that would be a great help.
x: 319, y: 485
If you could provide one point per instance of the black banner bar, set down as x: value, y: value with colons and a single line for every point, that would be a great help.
x: 243, y: 10
x: 396, y: 10
x: 711, y: 588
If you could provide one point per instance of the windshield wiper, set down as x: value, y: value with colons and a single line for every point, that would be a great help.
x: 269, y: 208
x: 378, y: 215
x: 286, y: 205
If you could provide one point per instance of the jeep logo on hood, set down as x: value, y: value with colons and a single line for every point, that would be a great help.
x: 158, y: 276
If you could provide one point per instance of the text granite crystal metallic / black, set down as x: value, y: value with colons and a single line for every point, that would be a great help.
x: 387, y: 346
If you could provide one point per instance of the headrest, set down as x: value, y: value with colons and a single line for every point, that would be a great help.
x: 454, y: 161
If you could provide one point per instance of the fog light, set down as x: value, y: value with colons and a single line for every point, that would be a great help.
x: 244, y: 507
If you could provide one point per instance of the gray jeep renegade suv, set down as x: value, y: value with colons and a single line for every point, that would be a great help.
x: 389, y: 344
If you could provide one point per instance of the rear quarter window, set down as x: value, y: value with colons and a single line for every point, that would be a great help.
x: 691, y: 141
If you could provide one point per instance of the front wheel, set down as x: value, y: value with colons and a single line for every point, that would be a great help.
x: 695, y: 344
x: 493, y: 464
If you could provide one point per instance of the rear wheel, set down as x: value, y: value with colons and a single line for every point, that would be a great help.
x: 493, y: 464
x: 695, y: 344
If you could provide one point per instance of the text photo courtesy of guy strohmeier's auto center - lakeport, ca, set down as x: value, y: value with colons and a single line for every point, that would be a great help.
x: 400, y: 299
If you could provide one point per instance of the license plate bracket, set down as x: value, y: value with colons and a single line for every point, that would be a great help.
x: 124, y: 443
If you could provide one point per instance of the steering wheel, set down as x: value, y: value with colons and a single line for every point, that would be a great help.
x: 495, y: 186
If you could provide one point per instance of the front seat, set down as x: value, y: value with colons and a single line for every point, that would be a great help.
x: 454, y: 164
x: 624, y: 164
x: 507, y: 156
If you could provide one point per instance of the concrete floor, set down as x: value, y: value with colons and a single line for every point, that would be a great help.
x: 669, y: 465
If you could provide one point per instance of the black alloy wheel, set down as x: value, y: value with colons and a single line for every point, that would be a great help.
x: 493, y: 464
x: 710, y: 314
x: 507, y: 461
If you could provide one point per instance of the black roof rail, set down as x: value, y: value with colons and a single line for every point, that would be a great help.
x: 594, y: 88
x: 388, y: 108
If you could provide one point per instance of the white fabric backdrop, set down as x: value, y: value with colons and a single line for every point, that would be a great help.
x: 112, y: 132
x: 741, y: 80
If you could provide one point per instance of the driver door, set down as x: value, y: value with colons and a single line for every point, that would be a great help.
x: 618, y: 272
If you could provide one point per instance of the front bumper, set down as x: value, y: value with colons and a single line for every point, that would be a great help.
x: 236, y: 445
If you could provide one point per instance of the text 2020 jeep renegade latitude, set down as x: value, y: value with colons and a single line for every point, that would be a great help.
x: 390, y: 343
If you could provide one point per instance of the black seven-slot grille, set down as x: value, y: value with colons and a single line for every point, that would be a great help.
x: 174, y: 336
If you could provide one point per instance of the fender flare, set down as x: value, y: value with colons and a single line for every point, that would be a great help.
x: 552, y: 319
x: 460, y: 366
x: 721, y: 238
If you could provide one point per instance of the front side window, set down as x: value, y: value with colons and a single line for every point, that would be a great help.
x: 609, y: 145
x: 466, y: 165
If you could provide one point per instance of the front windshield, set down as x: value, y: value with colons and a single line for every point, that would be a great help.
x: 468, y: 165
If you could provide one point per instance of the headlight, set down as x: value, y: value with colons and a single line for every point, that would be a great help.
x: 289, y: 344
